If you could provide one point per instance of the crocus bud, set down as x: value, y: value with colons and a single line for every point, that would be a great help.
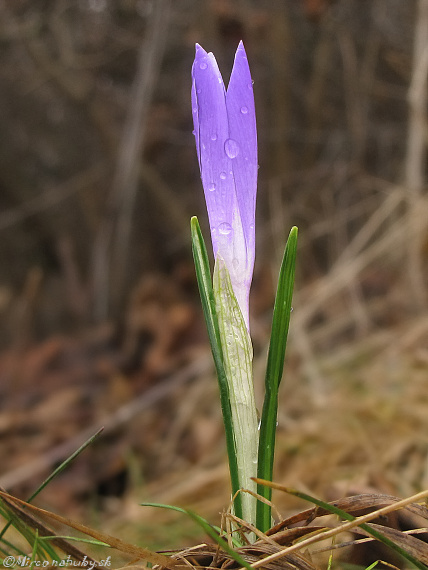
x: 226, y: 142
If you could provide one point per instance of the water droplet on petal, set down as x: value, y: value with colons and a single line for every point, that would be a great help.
x: 198, y: 91
x: 223, y: 175
x: 203, y: 65
x: 244, y: 110
x: 211, y: 187
x: 225, y: 228
x: 231, y: 148
x: 213, y: 137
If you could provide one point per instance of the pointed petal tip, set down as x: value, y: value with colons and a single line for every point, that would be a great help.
x: 200, y: 55
x: 199, y: 51
x: 241, y: 48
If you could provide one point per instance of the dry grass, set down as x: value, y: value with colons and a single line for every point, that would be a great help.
x: 353, y: 403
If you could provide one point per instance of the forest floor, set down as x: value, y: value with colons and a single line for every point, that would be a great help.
x: 353, y: 421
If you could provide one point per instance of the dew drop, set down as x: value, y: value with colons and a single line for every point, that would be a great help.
x: 213, y: 137
x: 231, y: 148
x: 198, y: 91
x: 223, y: 175
x: 211, y: 187
x: 203, y: 65
x: 244, y: 110
x: 225, y: 229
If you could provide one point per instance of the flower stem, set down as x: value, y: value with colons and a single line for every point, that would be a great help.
x: 237, y: 360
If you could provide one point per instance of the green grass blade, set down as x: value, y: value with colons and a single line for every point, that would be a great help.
x: 35, y: 550
x: 274, y: 371
x: 203, y: 276
x: 29, y: 535
x: 56, y: 472
x: 181, y: 510
x: 10, y: 549
x: 219, y: 540
x: 65, y: 464
x: 163, y: 506
x: 74, y: 539
x: 365, y: 526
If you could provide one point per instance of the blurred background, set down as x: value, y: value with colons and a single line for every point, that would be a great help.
x: 100, y: 321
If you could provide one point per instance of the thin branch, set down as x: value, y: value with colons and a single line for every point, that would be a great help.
x: 111, y: 244
x: 416, y: 148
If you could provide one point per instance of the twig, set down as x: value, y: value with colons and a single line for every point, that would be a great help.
x: 416, y: 148
x: 111, y: 244
x: 51, y: 197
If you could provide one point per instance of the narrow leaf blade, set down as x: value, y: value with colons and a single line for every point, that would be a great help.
x: 203, y: 276
x: 274, y: 371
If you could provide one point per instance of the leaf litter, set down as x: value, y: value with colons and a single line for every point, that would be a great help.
x: 367, y: 441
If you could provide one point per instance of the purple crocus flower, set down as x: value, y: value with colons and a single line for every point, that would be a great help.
x: 226, y: 143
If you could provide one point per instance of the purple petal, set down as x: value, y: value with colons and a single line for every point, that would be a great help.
x: 212, y: 131
x: 243, y: 133
x: 226, y: 142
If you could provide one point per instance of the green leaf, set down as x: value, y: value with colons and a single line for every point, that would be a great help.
x: 203, y: 276
x: 237, y: 360
x: 274, y: 372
